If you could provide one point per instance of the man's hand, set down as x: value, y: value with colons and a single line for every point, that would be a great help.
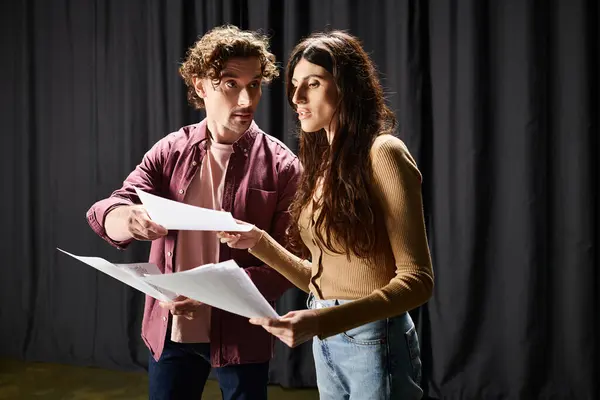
x: 128, y: 222
x: 141, y: 226
x: 182, y: 306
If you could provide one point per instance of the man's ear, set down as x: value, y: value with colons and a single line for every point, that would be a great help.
x: 199, y: 86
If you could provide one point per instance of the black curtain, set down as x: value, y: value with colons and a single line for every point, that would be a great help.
x: 497, y: 100
x: 515, y: 199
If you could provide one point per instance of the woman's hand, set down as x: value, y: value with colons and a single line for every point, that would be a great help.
x: 293, y: 329
x: 241, y: 240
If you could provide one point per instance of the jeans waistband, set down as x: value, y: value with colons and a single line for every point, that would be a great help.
x: 313, y: 303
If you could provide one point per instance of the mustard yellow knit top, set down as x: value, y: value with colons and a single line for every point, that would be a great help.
x: 398, y: 278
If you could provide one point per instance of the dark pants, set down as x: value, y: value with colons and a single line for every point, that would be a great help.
x: 183, y: 368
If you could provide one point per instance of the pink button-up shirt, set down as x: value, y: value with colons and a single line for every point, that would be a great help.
x: 260, y: 182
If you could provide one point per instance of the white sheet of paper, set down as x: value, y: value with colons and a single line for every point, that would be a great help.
x: 224, y: 285
x: 141, y: 270
x: 130, y: 274
x: 180, y: 216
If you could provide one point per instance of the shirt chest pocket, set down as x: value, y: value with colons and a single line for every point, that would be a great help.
x: 260, y: 207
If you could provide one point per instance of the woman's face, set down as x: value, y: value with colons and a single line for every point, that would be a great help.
x: 315, y: 97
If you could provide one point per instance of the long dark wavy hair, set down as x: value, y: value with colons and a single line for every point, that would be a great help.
x: 346, y: 220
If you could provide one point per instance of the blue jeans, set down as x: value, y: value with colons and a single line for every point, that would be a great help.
x: 376, y: 361
x: 183, y: 368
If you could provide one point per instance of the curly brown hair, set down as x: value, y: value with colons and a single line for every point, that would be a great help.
x: 348, y: 210
x: 208, y: 56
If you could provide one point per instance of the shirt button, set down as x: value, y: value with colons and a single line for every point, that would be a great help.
x: 181, y: 191
x: 169, y: 254
x: 194, y: 163
x: 165, y: 319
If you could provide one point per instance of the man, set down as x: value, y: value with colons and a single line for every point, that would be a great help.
x: 225, y: 163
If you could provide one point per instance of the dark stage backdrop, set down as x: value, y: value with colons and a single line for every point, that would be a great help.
x: 498, y: 101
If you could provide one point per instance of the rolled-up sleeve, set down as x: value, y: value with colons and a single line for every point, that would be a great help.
x: 147, y: 176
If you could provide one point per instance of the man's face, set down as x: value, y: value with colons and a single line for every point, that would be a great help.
x: 231, y: 103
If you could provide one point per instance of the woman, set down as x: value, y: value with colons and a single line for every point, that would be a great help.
x: 358, y: 216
